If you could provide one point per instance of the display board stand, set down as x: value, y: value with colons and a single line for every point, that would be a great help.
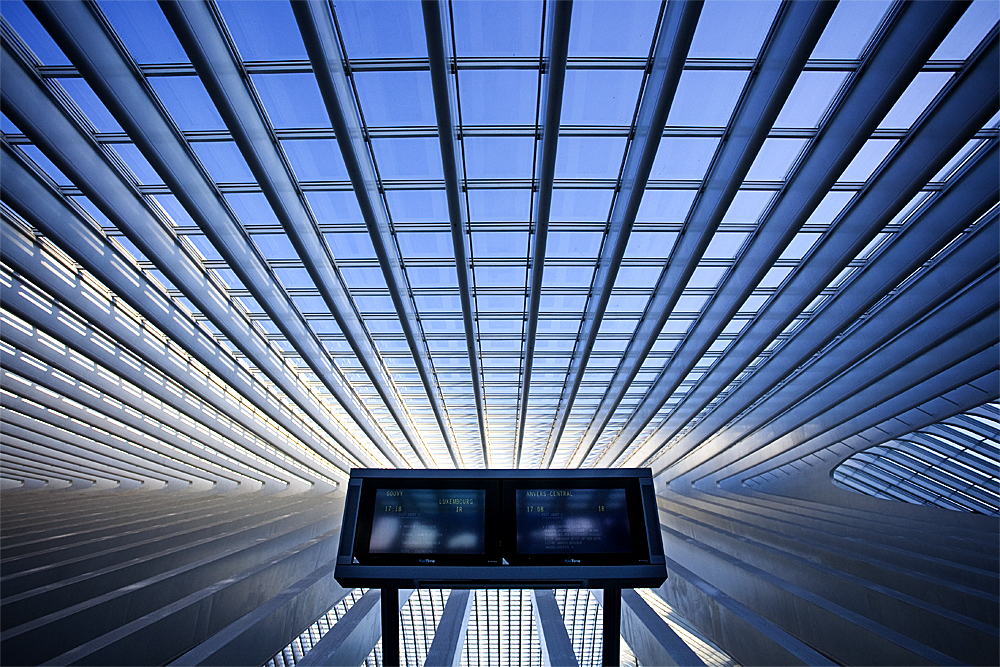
x: 390, y: 627
x: 610, y: 653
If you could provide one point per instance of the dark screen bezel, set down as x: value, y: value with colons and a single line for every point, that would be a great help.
x: 639, y: 554
x: 366, y: 510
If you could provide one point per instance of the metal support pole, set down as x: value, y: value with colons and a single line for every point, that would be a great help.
x: 390, y: 628
x: 611, y: 651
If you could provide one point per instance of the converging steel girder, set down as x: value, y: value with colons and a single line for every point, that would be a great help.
x: 320, y: 35
x: 914, y: 313
x: 549, y: 110
x: 61, y: 420
x: 83, y: 35
x: 956, y: 339
x: 107, y: 335
x: 796, y: 30
x: 97, y: 370
x: 48, y: 210
x: 147, y: 424
x: 672, y: 44
x: 437, y: 25
x: 24, y: 445
x: 958, y: 372
x: 897, y: 57
x: 967, y: 197
x: 90, y: 377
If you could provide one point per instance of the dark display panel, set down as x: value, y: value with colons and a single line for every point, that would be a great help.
x: 569, y: 522
x: 428, y: 521
x: 572, y: 521
x: 500, y: 529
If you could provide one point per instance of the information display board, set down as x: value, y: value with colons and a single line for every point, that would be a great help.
x: 435, y: 522
x: 501, y: 528
x: 572, y: 522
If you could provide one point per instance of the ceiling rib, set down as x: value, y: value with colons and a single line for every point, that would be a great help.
x: 949, y: 301
x: 107, y: 335
x: 961, y: 109
x: 672, y: 43
x: 796, y: 30
x: 550, y: 110
x: 966, y: 261
x: 121, y: 426
x: 47, y: 210
x: 200, y: 33
x: 69, y: 146
x: 897, y: 57
x: 319, y: 33
x: 437, y: 24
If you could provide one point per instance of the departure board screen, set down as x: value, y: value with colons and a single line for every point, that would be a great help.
x: 572, y: 521
x: 428, y: 521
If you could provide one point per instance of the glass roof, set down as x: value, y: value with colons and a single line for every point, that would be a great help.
x: 625, y: 242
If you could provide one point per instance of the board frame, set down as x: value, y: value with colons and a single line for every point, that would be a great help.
x: 493, y: 572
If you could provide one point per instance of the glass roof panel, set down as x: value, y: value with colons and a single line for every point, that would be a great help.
x: 810, y: 97
x: 849, y: 29
x: 589, y: 157
x: 732, y: 29
x: 497, y: 97
x: 90, y: 105
x: 396, y: 99
x: 570, y: 205
x: 33, y: 34
x: 965, y: 36
x: 683, y: 158
x: 508, y: 205
x: 291, y: 100
x: 706, y: 98
x: 224, y: 161
x: 619, y: 29
x: 774, y: 159
x: 600, y: 97
x: 188, y: 102
x: 410, y: 158
x: 315, y: 159
x: 280, y: 41
x: 143, y: 28
x: 497, y: 28
x: 499, y: 157
x: 400, y: 31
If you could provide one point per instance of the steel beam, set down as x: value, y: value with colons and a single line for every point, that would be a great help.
x: 202, y: 34
x: 437, y: 24
x: 25, y: 448
x: 449, y: 638
x: 672, y: 43
x: 319, y: 33
x: 354, y: 636
x: 961, y: 110
x: 80, y: 32
x: 48, y: 418
x: 891, y: 332
x: 938, y: 225
x: 796, y: 29
x: 108, y: 334
x: 553, y: 640
x: 914, y: 32
x: 958, y: 337
x: 144, y: 417
x: 110, y: 379
x: 49, y: 211
x: 550, y: 110
x: 651, y: 639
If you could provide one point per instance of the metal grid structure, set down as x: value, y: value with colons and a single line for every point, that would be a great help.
x: 953, y: 464
x: 705, y: 239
